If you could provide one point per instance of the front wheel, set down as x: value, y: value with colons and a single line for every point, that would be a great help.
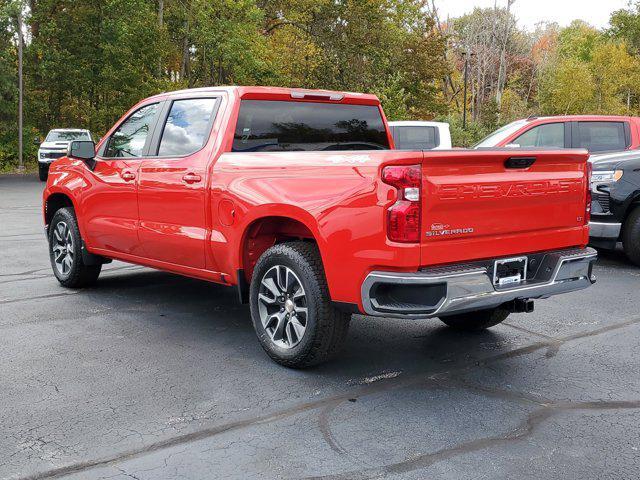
x: 475, y: 321
x: 631, y: 236
x: 65, y: 251
x: 43, y: 172
x: 292, y: 313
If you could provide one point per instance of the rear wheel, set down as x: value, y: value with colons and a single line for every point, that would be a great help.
x: 631, y: 236
x: 292, y: 314
x: 475, y: 321
x: 65, y: 251
x: 43, y: 172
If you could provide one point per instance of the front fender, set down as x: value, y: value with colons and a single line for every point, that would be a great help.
x: 65, y: 178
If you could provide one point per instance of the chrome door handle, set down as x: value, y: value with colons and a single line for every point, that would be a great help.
x: 192, y: 178
x: 128, y: 176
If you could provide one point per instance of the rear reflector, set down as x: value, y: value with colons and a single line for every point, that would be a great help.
x: 403, y: 222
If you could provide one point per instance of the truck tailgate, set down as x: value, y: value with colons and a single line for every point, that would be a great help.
x: 479, y: 204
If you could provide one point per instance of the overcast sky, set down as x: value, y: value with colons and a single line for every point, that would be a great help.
x: 530, y: 12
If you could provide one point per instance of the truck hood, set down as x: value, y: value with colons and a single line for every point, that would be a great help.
x: 612, y: 160
x: 55, y: 145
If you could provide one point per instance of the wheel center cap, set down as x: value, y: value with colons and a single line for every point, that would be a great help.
x: 289, y: 306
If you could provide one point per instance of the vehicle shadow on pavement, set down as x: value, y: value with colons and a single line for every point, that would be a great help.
x: 375, y: 346
x: 615, y: 257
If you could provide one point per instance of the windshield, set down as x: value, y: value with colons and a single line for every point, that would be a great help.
x: 67, y: 136
x: 496, y: 137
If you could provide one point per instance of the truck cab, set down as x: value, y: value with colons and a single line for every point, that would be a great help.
x: 595, y: 133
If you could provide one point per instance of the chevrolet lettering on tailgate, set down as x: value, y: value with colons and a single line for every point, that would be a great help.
x: 500, y: 190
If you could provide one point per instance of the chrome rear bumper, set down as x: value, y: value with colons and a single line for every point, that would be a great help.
x: 604, y: 229
x: 456, y: 289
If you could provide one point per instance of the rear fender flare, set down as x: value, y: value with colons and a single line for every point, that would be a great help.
x: 278, y: 210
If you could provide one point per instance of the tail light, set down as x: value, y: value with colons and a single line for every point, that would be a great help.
x: 403, y: 217
x: 587, y: 212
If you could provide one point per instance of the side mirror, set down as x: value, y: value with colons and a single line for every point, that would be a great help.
x: 37, y: 141
x: 84, y: 150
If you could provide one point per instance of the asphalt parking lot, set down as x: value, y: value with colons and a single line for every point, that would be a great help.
x: 149, y: 375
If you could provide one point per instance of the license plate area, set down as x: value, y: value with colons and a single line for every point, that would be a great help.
x: 509, y: 272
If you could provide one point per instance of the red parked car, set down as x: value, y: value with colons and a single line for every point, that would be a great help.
x: 596, y: 133
x: 295, y: 198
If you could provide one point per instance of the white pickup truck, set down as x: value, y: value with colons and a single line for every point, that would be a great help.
x: 56, y: 145
x: 420, y: 135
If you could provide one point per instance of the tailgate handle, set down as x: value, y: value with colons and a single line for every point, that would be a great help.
x: 519, y: 162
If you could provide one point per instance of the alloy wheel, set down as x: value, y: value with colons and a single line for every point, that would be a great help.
x: 282, y: 305
x: 62, y: 247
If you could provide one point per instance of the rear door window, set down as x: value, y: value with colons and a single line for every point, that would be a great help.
x: 280, y: 126
x: 601, y: 136
x: 187, y: 127
x: 415, y: 138
x: 550, y: 135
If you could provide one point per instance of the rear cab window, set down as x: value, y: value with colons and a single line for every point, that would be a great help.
x: 281, y: 126
x: 415, y: 138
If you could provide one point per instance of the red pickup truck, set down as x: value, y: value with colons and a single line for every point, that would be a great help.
x: 596, y: 133
x: 297, y: 199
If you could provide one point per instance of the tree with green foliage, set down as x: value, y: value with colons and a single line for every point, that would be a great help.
x: 558, y: 95
x: 616, y: 76
x: 374, y: 45
x: 602, y: 67
x: 89, y: 62
x: 578, y: 41
x: 625, y: 25
x: 229, y: 45
x: 9, y: 86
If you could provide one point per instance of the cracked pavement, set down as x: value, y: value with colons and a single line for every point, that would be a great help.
x: 149, y: 375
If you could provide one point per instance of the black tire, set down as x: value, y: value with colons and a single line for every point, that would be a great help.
x: 476, y: 321
x: 325, y: 327
x: 43, y: 172
x: 74, y: 273
x: 631, y: 236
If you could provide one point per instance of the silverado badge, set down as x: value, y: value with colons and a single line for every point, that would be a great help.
x: 442, y: 229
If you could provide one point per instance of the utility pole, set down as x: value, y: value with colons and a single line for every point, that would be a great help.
x: 20, y: 47
x: 464, y: 102
x: 502, y: 69
x: 160, y: 25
